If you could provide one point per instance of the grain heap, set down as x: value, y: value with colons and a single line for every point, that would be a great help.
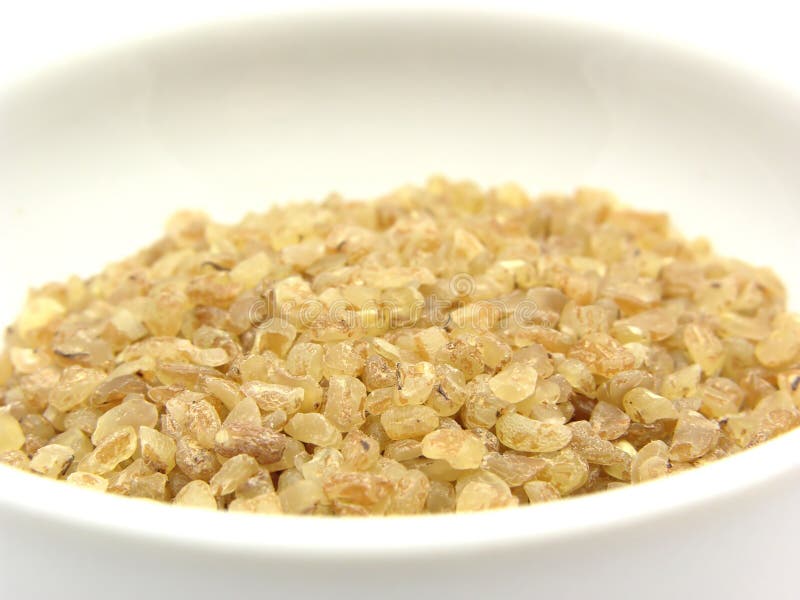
x: 440, y: 349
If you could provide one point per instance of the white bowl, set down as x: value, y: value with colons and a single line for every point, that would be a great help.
x: 95, y: 154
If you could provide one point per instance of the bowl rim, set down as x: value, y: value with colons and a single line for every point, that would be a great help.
x: 289, y: 537
x: 284, y: 537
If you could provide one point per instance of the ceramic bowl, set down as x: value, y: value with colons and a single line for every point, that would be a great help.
x: 95, y: 154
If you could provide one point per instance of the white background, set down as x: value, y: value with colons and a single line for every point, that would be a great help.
x: 761, y: 34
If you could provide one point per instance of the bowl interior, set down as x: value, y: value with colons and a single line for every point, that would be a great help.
x: 95, y: 154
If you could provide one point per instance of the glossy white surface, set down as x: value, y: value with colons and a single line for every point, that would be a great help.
x: 758, y: 34
x: 94, y: 156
